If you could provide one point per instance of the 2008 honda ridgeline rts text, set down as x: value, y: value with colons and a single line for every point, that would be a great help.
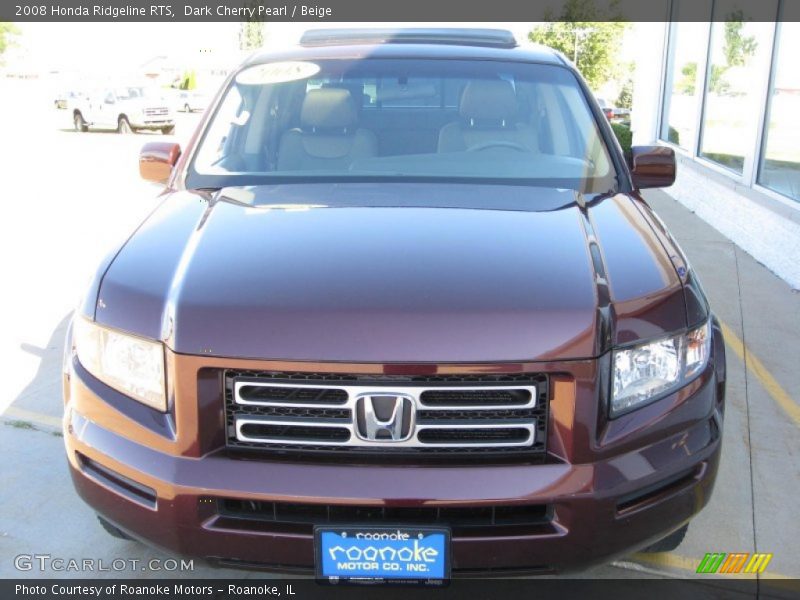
x: 402, y: 313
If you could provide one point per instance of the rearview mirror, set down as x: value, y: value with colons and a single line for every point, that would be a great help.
x: 156, y: 160
x: 652, y: 166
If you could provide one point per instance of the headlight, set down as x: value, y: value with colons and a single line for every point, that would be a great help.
x: 643, y: 373
x: 131, y: 365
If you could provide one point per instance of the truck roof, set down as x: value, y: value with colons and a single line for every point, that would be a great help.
x: 445, y: 43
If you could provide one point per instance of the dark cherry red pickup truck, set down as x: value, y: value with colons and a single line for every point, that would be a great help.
x: 402, y: 314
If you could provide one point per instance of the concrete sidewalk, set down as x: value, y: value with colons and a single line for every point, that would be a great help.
x: 753, y: 508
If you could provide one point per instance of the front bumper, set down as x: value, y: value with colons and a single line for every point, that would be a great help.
x: 153, y: 122
x: 609, y: 489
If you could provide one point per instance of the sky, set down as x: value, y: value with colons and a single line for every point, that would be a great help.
x: 81, y: 52
x: 103, y: 46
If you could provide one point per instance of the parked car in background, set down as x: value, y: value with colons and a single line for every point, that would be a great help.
x: 402, y: 298
x: 192, y: 100
x: 65, y: 99
x: 611, y: 112
x: 125, y: 109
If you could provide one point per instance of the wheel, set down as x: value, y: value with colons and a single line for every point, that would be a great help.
x: 123, y: 126
x: 80, y: 124
x: 168, y: 130
x: 113, y: 530
x: 669, y: 543
x: 187, y: 108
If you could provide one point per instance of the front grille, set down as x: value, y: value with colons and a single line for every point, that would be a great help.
x: 475, y: 397
x: 330, y: 413
x: 458, y: 518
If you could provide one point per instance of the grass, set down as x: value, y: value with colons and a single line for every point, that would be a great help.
x: 18, y: 424
x: 21, y: 425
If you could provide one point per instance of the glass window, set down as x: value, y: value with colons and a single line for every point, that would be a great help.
x: 688, y: 47
x: 413, y: 92
x: 732, y: 102
x: 482, y: 120
x: 780, y: 157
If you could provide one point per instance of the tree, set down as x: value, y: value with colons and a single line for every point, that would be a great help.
x: 625, y: 98
x: 188, y: 81
x: 251, y: 33
x: 588, y: 35
x: 686, y: 84
x: 6, y: 31
x: 716, y: 81
x: 738, y: 48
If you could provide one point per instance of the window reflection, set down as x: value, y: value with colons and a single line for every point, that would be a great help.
x: 731, y: 107
x: 780, y: 162
x: 688, y: 47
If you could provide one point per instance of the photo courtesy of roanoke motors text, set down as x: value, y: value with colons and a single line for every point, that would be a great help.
x: 351, y: 299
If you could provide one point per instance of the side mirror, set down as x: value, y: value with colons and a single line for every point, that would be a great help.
x: 156, y: 160
x: 652, y: 166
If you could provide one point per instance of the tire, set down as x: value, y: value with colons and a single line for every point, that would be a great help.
x: 187, y: 108
x: 124, y: 126
x: 79, y: 123
x: 113, y: 530
x: 168, y: 130
x: 669, y: 543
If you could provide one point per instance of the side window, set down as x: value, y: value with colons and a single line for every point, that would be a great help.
x: 362, y: 91
x: 315, y: 84
x: 453, y: 88
x: 370, y: 93
x: 217, y: 145
x: 580, y: 122
x: 409, y: 92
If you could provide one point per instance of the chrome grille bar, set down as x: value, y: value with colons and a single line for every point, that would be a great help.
x: 474, y: 431
x: 353, y: 391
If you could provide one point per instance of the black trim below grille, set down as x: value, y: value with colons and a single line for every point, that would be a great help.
x: 643, y: 497
x: 458, y: 518
x: 124, y: 486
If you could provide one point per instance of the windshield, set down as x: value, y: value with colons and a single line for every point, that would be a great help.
x: 439, y: 120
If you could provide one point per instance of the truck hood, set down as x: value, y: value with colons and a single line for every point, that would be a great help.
x: 366, y: 273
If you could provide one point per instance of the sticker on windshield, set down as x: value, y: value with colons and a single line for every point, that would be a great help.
x: 278, y: 72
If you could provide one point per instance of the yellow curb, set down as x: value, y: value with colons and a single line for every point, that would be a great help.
x: 684, y: 563
x: 761, y: 373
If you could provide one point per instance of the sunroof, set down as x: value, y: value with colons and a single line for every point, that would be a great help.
x: 495, y: 38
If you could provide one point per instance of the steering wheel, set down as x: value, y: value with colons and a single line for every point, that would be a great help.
x: 497, y: 144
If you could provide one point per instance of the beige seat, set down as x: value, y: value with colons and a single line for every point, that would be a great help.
x: 489, y: 116
x: 328, y: 136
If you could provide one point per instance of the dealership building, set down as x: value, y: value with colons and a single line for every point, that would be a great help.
x: 723, y: 89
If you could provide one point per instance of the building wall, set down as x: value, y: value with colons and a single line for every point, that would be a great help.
x: 726, y: 97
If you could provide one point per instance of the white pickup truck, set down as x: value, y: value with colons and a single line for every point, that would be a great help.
x: 126, y: 109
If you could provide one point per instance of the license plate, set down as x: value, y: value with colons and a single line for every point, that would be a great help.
x: 414, y: 555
